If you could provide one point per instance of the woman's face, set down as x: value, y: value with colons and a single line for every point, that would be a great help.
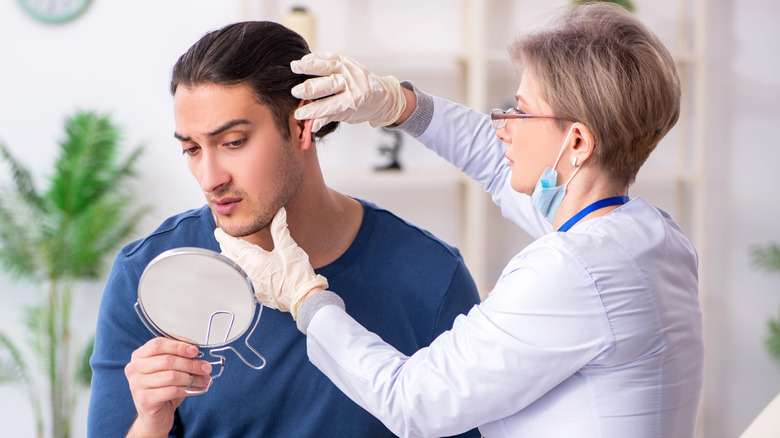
x: 532, y: 144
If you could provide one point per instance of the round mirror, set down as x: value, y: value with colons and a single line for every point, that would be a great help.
x: 197, y: 296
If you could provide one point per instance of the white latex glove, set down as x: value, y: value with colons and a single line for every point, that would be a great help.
x: 282, y: 277
x: 356, y: 95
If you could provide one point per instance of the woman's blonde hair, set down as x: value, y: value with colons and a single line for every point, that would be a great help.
x: 598, y: 65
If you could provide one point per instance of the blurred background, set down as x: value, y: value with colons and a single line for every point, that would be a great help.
x: 716, y: 172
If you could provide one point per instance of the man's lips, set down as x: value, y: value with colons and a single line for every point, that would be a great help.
x: 225, y: 205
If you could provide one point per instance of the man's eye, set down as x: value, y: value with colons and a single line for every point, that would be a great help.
x: 235, y: 144
x: 191, y: 151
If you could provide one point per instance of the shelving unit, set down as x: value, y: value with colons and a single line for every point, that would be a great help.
x: 680, y: 189
x: 478, y: 73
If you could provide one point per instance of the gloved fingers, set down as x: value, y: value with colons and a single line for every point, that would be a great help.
x: 226, y: 248
x: 318, y: 124
x: 234, y: 246
x: 330, y: 109
x: 278, y: 223
x: 268, y: 293
x: 317, y: 64
x: 318, y: 87
x: 280, y: 233
x: 264, y: 297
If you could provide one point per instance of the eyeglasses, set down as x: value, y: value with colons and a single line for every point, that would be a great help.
x: 498, y: 117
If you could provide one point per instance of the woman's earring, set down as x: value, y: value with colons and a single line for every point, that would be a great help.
x: 574, y: 162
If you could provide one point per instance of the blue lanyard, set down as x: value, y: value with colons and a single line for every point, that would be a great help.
x: 606, y: 202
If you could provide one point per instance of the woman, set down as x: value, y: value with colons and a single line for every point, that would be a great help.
x: 592, y: 330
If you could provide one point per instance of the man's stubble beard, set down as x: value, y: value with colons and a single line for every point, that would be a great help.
x: 290, y: 172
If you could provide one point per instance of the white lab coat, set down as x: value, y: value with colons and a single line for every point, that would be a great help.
x: 595, y: 332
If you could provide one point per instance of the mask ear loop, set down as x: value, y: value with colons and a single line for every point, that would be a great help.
x: 560, y: 154
x: 565, y: 140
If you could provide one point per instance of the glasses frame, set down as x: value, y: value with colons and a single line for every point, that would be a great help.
x: 498, y: 117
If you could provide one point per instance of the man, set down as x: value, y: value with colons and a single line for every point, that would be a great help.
x: 234, y: 118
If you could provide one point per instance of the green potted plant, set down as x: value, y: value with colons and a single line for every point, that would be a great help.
x: 54, y: 238
x: 768, y: 258
x: 628, y: 4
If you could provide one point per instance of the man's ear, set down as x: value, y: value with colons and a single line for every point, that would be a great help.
x: 302, y: 132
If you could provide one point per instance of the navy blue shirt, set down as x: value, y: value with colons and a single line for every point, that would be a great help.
x: 397, y: 280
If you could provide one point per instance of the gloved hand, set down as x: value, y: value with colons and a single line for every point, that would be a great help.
x: 356, y: 95
x: 282, y: 277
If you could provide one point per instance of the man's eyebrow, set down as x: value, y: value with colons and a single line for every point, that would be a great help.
x: 217, y: 131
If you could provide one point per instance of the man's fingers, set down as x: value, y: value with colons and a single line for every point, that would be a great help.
x: 168, y: 362
x: 159, y: 346
x: 165, y: 362
x: 171, y: 378
x: 150, y: 399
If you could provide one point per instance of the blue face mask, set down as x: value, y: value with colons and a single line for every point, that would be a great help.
x: 547, y: 196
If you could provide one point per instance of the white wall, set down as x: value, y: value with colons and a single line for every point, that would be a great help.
x: 117, y: 57
x: 744, y: 210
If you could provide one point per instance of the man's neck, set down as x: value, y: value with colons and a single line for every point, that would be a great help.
x: 322, y: 221
x: 324, y: 224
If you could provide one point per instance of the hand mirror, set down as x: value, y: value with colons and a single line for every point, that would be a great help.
x: 201, y: 297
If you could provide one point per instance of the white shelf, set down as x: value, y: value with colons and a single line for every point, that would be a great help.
x: 396, y: 178
x: 476, y: 72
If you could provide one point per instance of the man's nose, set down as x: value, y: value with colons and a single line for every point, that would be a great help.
x: 214, y: 172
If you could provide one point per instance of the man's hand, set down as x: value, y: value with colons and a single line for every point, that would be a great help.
x: 282, y: 277
x: 158, y: 374
x: 356, y: 94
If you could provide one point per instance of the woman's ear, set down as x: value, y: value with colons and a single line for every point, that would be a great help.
x: 584, y: 142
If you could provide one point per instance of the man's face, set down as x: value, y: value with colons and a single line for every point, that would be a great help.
x: 244, y: 166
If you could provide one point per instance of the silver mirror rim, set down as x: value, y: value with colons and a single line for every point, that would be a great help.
x: 190, y: 250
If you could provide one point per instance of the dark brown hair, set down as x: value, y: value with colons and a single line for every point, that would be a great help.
x: 257, y: 53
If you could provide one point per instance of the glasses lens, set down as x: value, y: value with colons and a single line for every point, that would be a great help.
x: 496, y: 120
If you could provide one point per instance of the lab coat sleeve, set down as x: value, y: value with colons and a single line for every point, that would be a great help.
x: 537, y: 328
x: 466, y: 139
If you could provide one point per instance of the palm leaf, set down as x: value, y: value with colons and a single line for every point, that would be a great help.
x: 772, y: 341
x: 22, y: 179
x: 37, y: 321
x: 59, y: 236
x: 100, y: 230
x: 83, y: 371
x: 85, y: 197
x: 19, y: 232
x: 627, y: 4
x: 13, y: 368
x: 87, y: 167
x: 767, y: 257
x: 20, y: 209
